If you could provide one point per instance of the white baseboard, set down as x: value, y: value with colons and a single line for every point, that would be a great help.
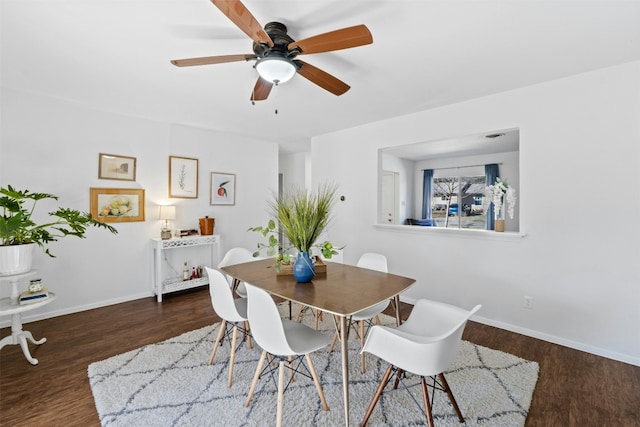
x: 40, y: 315
x: 626, y: 358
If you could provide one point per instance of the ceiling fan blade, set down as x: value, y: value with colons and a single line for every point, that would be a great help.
x: 261, y: 90
x: 240, y: 15
x: 322, y: 78
x: 206, y: 60
x: 334, y: 40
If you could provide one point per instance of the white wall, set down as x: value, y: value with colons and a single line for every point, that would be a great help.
x: 295, y: 169
x: 52, y: 146
x: 579, y: 145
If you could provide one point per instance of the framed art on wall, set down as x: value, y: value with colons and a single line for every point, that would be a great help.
x: 183, y: 177
x: 113, y: 166
x: 117, y: 204
x: 223, y: 188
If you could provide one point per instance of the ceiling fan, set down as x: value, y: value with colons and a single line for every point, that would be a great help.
x: 275, y: 51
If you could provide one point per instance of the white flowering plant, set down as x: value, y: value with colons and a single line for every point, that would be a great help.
x: 497, y: 193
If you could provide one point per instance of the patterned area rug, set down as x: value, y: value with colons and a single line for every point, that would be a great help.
x: 170, y: 384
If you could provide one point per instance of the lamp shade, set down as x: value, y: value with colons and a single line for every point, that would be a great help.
x: 167, y: 212
x: 275, y: 69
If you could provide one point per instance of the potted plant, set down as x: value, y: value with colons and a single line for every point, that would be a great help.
x: 496, y: 194
x: 19, y: 233
x: 302, y: 216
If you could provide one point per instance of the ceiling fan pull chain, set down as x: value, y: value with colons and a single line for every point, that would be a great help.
x: 275, y: 96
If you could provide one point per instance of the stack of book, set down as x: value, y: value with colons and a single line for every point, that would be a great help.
x: 33, y: 297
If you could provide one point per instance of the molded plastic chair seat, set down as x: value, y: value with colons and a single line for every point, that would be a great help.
x: 424, y: 345
x: 300, y: 340
x: 284, y: 340
x: 232, y: 311
x: 237, y: 256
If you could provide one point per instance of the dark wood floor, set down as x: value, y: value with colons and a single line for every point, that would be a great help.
x: 574, y: 388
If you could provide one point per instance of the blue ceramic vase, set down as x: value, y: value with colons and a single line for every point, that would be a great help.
x: 303, y: 268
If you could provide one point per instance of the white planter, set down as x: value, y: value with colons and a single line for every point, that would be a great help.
x: 16, y: 259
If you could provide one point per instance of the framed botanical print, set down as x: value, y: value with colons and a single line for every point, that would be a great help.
x: 183, y: 177
x: 223, y: 188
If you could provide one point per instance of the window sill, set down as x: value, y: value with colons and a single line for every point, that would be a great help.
x: 463, y: 232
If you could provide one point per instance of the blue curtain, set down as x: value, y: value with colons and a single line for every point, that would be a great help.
x: 491, y: 172
x: 427, y: 193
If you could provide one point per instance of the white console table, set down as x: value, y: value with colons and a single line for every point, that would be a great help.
x: 11, y: 306
x: 164, y: 283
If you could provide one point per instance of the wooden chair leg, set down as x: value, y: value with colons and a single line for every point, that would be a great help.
x: 333, y: 342
x: 291, y: 370
x: 445, y: 384
x: 316, y: 380
x: 299, y: 315
x: 362, y: 367
x: 427, y: 402
x: 232, y: 356
x: 376, y: 396
x: 256, y: 377
x: 399, y: 374
x: 280, y: 393
x: 317, y: 314
x: 223, y: 326
x: 248, y: 334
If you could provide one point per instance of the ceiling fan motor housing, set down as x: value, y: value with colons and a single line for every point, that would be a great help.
x: 281, y: 40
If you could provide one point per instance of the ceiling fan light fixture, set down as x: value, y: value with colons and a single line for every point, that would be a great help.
x: 275, y: 69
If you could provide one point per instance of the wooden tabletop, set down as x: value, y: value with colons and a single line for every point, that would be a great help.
x: 343, y: 290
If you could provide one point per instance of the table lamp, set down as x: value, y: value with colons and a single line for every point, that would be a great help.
x: 167, y: 213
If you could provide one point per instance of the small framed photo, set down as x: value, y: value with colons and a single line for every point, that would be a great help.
x: 223, y: 188
x: 117, y: 204
x: 113, y: 166
x: 183, y: 177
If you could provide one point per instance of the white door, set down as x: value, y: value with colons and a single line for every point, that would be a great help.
x: 389, y: 194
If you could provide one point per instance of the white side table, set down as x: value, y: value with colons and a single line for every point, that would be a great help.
x: 11, y: 307
x: 162, y: 285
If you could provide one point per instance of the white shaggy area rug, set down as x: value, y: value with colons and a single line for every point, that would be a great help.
x: 171, y: 384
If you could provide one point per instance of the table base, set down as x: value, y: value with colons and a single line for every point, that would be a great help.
x: 18, y: 336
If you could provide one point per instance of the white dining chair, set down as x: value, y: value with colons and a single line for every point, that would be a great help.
x: 285, y: 340
x: 364, y: 319
x: 424, y: 345
x: 237, y: 256
x: 232, y: 311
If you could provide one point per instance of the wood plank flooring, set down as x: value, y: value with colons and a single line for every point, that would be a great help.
x: 574, y: 388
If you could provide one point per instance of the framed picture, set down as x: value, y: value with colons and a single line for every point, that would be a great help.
x: 183, y: 177
x: 223, y: 188
x: 112, y: 166
x: 117, y: 204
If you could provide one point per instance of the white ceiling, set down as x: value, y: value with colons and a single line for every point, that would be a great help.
x: 114, y: 55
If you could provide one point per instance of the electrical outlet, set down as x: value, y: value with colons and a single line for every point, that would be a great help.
x: 528, y: 302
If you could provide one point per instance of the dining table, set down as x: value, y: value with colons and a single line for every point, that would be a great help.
x: 342, y: 290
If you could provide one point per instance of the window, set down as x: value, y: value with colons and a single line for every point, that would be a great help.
x: 457, y: 201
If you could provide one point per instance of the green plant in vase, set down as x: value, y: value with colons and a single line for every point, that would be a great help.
x: 17, y: 227
x: 302, y: 216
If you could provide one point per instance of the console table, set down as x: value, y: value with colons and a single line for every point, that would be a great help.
x: 165, y: 282
x: 11, y: 306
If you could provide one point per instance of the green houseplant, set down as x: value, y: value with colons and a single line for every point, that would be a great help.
x: 17, y: 228
x: 302, y: 216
